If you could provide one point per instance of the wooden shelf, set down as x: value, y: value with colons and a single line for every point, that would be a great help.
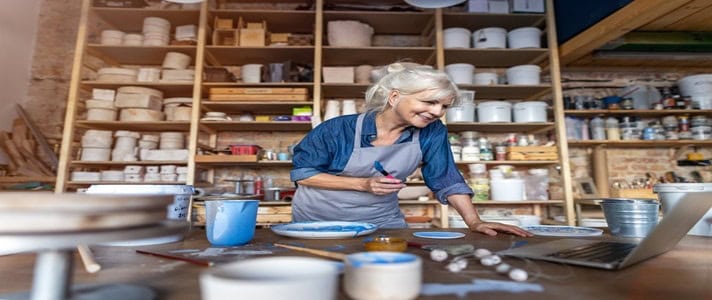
x: 228, y: 163
x: 256, y: 126
x: 501, y: 127
x: 343, y: 56
x: 231, y: 55
x: 207, y: 85
x: 85, y: 183
x: 474, y: 21
x: 509, y: 92
x: 170, y: 89
x: 344, y: 90
x: 81, y: 163
x: 135, y: 126
x: 24, y: 179
x: 280, y: 108
x: 294, y: 21
x: 386, y: 22
x: 510, y: 162
x: 641, y: 143
x: 496, y: 58
x: 140, y: 55
x: 638, y: 112
x: 131, y: 19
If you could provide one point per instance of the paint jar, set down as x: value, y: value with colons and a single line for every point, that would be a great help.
x: 382, y: 275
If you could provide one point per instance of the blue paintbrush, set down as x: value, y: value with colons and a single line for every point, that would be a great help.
x: 379, y: 168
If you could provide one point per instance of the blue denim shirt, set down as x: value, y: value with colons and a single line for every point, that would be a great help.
x: 327, y: 149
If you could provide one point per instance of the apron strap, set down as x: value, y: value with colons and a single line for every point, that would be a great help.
x: 357, y: 133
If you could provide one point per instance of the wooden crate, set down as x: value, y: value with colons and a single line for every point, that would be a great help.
x: 274, y: 214
x: 532, y: 153
x: 225, y: 37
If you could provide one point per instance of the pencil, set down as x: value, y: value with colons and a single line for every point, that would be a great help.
x: 178, y: 257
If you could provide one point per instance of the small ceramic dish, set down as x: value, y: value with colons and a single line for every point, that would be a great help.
x: 386, y: 243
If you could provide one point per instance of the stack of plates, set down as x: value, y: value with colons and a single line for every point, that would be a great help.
x: 48, y: 212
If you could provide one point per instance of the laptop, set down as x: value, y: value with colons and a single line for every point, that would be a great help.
x: 621, y: 253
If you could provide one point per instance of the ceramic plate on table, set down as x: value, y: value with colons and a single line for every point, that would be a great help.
x: 557, y: 230
x: 440, y: 235
x: 324, y: 230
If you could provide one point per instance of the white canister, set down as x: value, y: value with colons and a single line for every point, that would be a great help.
x: 95, y: 154
x: 349, y: 33
x: 465, y: 112
x: 176, y: 60
x: 382, y: 275
x: 140, y: 115
x: 181, y: 113
x: 523, y: 75
x: 251, y: 73
x: 125, y: 142
x: 524, y: 37
x: 530, y: 111
x: 333, y: 108
x: 494, y: 111
x: 460, y: 73
x: 101, y: 114
x: 490, y: 38
x: 93, y: 138
x: 456, y: 37
x: 700, y: 84
x: 507, y: 189
x: 485, y: 78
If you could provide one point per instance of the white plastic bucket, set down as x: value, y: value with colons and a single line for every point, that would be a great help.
x: 524, y: 75
x: 702, y: 101
x: 510, y: 189
x: 490, y: 38
x: 251, y: 73
x: 101, y: 114
x: 494, y: 111
x: 700, y: 84
x: 486, y: 78
x: 95, y: 154
x: 460, y: 73
x: 530, y: 111
x: 465, y: 112
x: 524, y: 37
x: 456, y: 37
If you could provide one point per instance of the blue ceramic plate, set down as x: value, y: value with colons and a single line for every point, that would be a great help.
x: 557, y: 230
x: 324, y: 230
x: 441, y: 235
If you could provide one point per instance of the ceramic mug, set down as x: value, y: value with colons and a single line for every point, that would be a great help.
x: 230, y: 222
x: 382, y: 275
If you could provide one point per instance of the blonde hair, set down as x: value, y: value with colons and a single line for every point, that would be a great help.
x: 409, y: 78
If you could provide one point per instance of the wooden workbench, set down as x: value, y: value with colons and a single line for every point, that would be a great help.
x: 683, y: 273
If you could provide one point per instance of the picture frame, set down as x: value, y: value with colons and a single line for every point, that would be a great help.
x: 585, y: 187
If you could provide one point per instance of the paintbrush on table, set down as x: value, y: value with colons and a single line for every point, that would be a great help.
x: 324, y: 253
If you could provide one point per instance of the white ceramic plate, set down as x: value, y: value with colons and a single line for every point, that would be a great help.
x: 324, y: 230
x: 440, y: 235
x: 557, y: 230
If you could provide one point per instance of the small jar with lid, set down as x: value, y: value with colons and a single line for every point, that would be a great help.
x: 486, y: 152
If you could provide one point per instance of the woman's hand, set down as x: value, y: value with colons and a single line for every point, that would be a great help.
x: 491, y: 229
x: 383, y: 185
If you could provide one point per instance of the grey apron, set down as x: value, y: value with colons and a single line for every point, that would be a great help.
x: 401, y: 160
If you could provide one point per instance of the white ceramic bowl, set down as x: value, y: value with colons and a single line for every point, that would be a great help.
x: 285, y: 277
x: 382, y: 275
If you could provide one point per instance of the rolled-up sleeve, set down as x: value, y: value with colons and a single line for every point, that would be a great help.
x: 311, y: 155
x: 440, y: 173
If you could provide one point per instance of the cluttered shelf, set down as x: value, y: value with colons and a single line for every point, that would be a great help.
x: 169, y: 88
x: 376, y: 55
x: 135, y: 125
x: 496, y: 57
x: 138, y: 55
x: 278, y: 20
x: 131, y: 19
x: 216, y: 126
x: 637, y: 112
x: 640, y: 143
x: 501, y: 127
x: 240, y: 55
x: 481, y: 20
x: 124, y: 163
x: 266, y: 107
x: 511, y: 162
x: 387, y: 22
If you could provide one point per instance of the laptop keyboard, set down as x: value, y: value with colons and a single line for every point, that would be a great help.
x: 604, y: 252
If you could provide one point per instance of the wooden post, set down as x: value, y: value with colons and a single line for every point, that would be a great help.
x: 600, y: 171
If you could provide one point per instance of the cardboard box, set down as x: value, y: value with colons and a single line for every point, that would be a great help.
x: 255, y: 37
x: 527, y: 6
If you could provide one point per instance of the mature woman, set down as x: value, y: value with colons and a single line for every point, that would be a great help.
x: 334, y: 163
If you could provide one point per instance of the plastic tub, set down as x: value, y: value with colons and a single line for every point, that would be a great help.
x: 486, y: 78
x: 490, y: 38
x: 494, y: 112
x: 507, y: 189
x: 349, y: 34
x: 523, y: 75
x: 101, y: 114
x: 631, y: 217
x: 460, y: 73
x: 670, y: 193
x: 530, y: 111
x: 456, y: 37
x: 524, y: 37
x: 251, y: 73
x: 465, y: 112
x: 700, y: 84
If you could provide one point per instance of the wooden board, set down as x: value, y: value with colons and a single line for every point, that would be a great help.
x: 224, y: 158
x: 261, y: 90
x: 264, y: 97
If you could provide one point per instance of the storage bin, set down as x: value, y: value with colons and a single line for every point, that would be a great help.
x: 349, y: 34
x: 494, y: 111
x: 700, y: 84
x: 101, y: 114
x: 530, y: 111
x: 507, y: 189
x: 460, y: 73
x: 523, y: 75
x: 524, y: 37
x: 490, y: 38
x: 456, y: 37
x: 485, y: 78
x: 465, y: 112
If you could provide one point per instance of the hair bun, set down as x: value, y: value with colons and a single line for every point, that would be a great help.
x: 395, y: 67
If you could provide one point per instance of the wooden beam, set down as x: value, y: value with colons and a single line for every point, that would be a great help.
x: 626, y: 19
x: 673, y: 18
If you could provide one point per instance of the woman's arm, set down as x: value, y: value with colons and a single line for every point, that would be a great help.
x: 463, y: 205
x: 376, y: 185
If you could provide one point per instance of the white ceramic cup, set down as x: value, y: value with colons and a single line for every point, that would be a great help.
x: 348, y: 107
x: 251, y: 73
x: 382, y: 275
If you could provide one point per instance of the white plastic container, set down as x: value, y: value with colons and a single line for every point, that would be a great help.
x: 101, y: 114
x: 460, y: 73
x: 700, y: 84
x: 524, y: 75
x: 524, y: 37
x: 494, y: 112
x: 176, y: 60
x: 251, y: 73
x: 530, y: 111
x: 490, y: 38
x: 485, y: 78
x: 507, y: 189
x: 349, y: 34
x: 95, y: 154
x: 456, y: 37
x: 93, y: 138
x: 465, y: 112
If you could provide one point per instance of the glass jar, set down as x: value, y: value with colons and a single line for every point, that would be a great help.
x: 612, y: 130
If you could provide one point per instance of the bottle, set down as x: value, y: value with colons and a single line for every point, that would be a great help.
x: 485, y: 149
x: 598, y: 128
x: 584, y: 130
x: 612, y: 131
